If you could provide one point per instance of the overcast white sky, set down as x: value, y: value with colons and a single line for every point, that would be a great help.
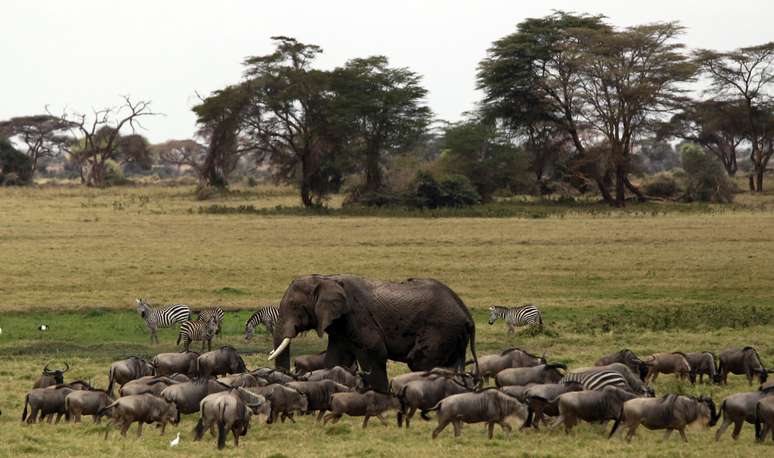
x: 83, y: 54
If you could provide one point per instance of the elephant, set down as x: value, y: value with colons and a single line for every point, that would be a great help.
x: 420, y: 322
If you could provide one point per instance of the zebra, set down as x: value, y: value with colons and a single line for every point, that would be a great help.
x: 265, y: 315
x: 616, y: 374
x: 162, y: 317
x: 527, y: 315
x: 198, y: 330
x: 216, y: 312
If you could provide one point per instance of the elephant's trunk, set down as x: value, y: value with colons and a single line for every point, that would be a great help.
x: 280, y: 349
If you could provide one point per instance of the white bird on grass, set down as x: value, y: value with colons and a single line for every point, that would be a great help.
x: 175, y: 441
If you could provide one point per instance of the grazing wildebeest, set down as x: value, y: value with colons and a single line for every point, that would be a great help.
x: 544, y: 373
x: 668, y: 363
x: 672, y: 412
x: 742, y: 361
x: 175, y: 363
x: 142, y: 408
x: 337, y: 374
x: 126, y: 370
x: 274, y: 375
x: 86, y: 402
x: 148, y: 384
x: 740, y: 407
x: 540, y: 400
x: 628, y: 358
x: 244, y: 380
x: 591, y: 406
x: 490, y: 406
x: 230, y: 411
x: 48, y: 401
x: 399, y: 381
x: 285, y: 401
x: 490, y: 365
x: 223, y: 361
x: 49, y: 377
x: 188, y: 395
x: 424, y: 393
x: 764, y: 418
x: 368, y: 404
x: 318, y: 394
x: 703, y: 363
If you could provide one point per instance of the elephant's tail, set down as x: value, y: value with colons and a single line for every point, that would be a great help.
x: 472, y: 330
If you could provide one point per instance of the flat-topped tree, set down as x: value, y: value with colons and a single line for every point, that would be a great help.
x: 44, y: 136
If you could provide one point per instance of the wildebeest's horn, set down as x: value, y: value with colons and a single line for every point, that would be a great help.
x: 45, y: 369
x: 67, y: 367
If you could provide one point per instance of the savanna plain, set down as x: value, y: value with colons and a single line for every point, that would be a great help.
x: 655, y: 277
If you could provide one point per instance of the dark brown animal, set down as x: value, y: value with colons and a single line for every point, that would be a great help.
x: 742, y: 361
x: 627, y: 357
x: 490, y: 365
x: 175, y: 363
x: 223, y: 361
x: 142, y: 408
x: 367, y: 405
x: 672, y: 412
x: 126, y: 370
x: 86, y: 402
x: 49, y: 377
x: 490, y: 406
x: 46, y: 401
x: 230, y: 411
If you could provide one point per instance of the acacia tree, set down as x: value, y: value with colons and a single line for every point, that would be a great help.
x: 745, y: 76
x: 380, y: 111
x: 99, y: 136
x: 44, y: 136
x: 629, y: 80
x: 183, y: 153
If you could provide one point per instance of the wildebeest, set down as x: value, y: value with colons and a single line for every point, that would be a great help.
x: 628, y: 358
x: 540, y: 400
x: 742, y: 361
x: 188, y: 395
x: 740, y: 407
x: 126, y: 370
x: 49, y: 377
x: 490, y: 406
x: 399, y: 381
x: 175, y: 363
x: 142, y: 408
x: 86, y: 402
x: 230, y: 411
x: 318, y: 394
x: 668, y: 363
x: 273, y: 375
x: 223, y: 361
x: 148, y: 384
x: 490, y: 365
x: 703, y: 363
x: 368, y: 404
x: 285, y: 401
x: 424, y: 393
x: 46, y: 401
x: 309, y: 363
x: 672, y: 412
x: 337, y: 374
x: 591, y: 406
x: 244, y: 380
x: 544, y: 373
x: 764, y: 418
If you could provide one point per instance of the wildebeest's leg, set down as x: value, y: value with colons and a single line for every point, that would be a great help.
x: 58, y: 417
x: 682, y: 434
x: 723, y: 427
x: 490, y: 427
x: 49, y: 418
x: 410, y: 414
x: 125, y: 427
x: 209, y: 344
x: 632, y: 429
x: 382, y: 419
x: 328, y: 417
x: 139, y: 428
x: 737, y: 428
x: 457, y: 428
x: 163, y: 427
x: 442, y: 423
x: 365, y: 421
x: 655, y: 375
x: 506, y: 427
x: 235, y: 431
x: 667, y: 434
x: 320, y: 415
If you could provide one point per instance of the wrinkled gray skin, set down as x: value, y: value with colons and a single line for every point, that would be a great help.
x: 628, y: 358
x: 739, y: 408
x: 399, y: 381
x: 285, y: 402
x: 244, y: 380
x: 274, y: 375
x: 175, y: 363
x: 368, y: 404
x: 229, y: 411
x: 188, y: 395
x: 424, y: 393
x: 764, y: 418
x: 142, y: 408
x: 83, y: 402
x: 668, y: 363
x: 742, y: 361
x: 148, y: 384
x: 47, y: 401
x: 49, y: 377
x: 223, y: 361
x: 126, y: 370
x: 309, y: 363
x: 420, y: 322
x: 544, y: 373
x: 489, y: 406
x: 490, y: 365
x: 337, y: 374
x: 540, y: 400
x: 672, y: 412
x: 703, y: 363
x: 591, y: 406
x: 318, y: 394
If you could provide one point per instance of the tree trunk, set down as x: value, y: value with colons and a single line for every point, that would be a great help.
x: 620, y: 186
x: 759, y: 179
x: 634, y: 190
x: 306, y: 188
x: 373, y: 171
x: 751, y: 181
x: 604, y: 191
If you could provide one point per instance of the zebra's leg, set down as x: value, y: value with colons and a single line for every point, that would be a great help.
x: 511, y: 329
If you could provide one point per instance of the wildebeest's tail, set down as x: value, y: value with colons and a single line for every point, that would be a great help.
x: 530, y: 413
x: 67, y: 408
x: 617, y: 422
x: 26, y: 402
x: 758, y: 429
x: 222, y: 428
x: 199, y: 430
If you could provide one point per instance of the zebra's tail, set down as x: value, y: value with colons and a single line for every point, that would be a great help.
x: 179, y: 336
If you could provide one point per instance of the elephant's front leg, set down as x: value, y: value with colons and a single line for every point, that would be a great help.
x: 338, y: 352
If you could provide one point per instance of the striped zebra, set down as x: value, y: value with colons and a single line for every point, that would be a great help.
x: 616, y: 374
x: 265, y: 315
x: 216, y: 312
x: 198, y: 330
x: 162, y: 317
x: 527, y: 315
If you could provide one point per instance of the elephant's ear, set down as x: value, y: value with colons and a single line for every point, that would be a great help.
x: 331, y: 303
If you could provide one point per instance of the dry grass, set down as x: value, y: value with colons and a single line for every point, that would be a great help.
x: 66, y: 251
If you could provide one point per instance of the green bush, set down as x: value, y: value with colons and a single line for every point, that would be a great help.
x: 114, y: 175
x: 15, y: 167
x: 706, y: 180
x: 451, y: 191
x: 662, y: 184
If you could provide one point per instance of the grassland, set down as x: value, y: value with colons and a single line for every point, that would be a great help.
x: 652, y: 278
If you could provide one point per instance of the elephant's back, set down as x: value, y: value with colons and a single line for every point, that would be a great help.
x: 426, y: 300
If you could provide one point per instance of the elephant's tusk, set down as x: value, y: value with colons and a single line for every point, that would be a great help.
x: 280, y: 349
